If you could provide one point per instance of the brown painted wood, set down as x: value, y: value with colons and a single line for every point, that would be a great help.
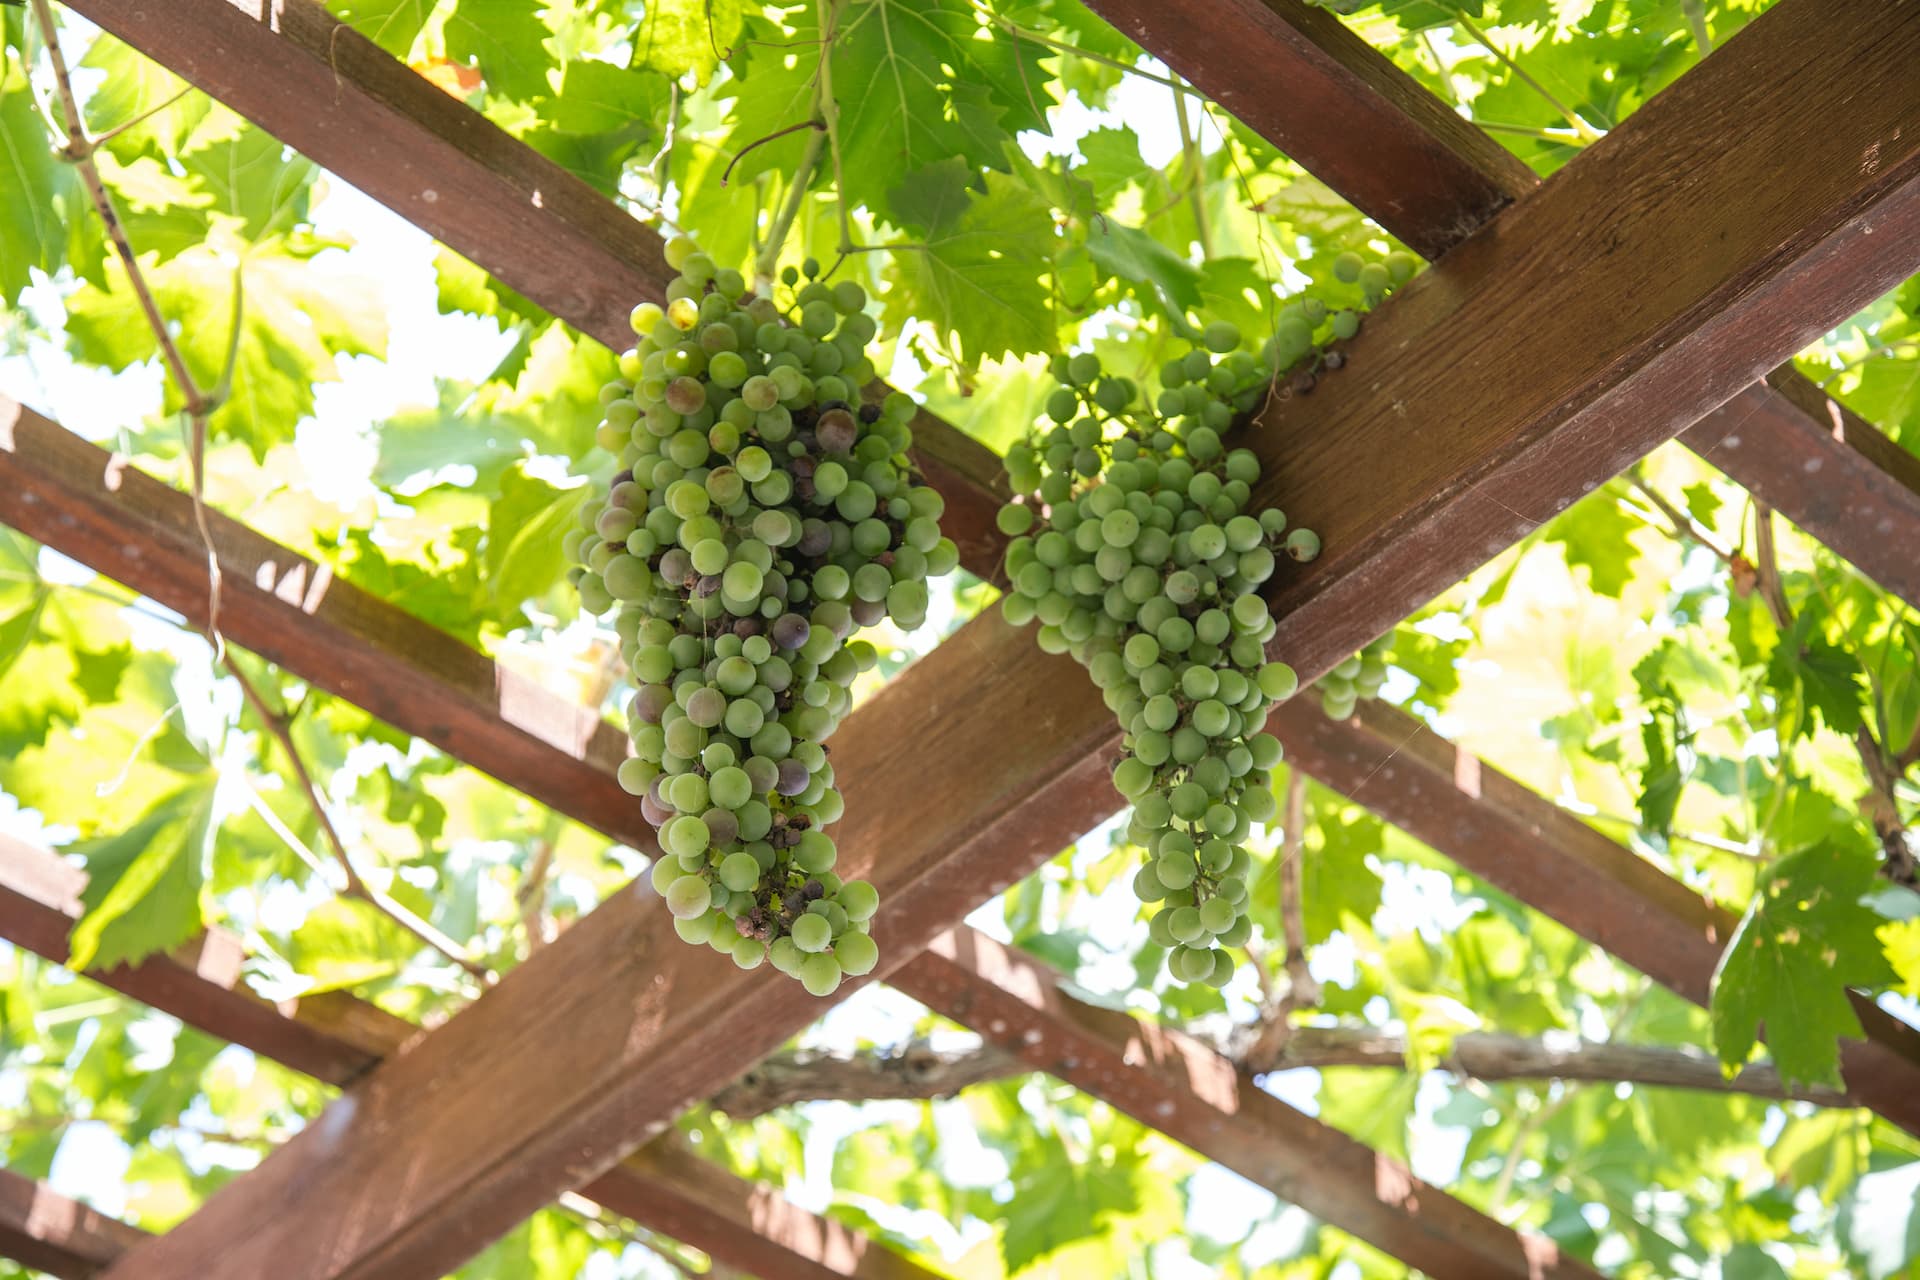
x: 335, y: 1037
x: 1295, y: 74
x: 1183, y: 1088
x: 42, y: 1229
x: 1825, y: 468
x: 1599, y: 317
x: 80, y: 500
x: 336, y: 97
x: 1529, y: 847
x: 1431, y: 178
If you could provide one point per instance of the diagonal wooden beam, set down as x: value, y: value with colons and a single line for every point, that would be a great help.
x: 1525, y: 845
x: 1375, y: 135
x: 1297, y: 76
x: 1493, y: 392
x: 1186, y: 1090
x: 325, y: 90
x: 337, y: 1038
x: 42, y: 1229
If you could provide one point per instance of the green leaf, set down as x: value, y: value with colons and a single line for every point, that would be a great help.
x: 895, y: 96
x: 979, y: 275
x: 1818, y: 676
x: 296, y: 317
x: 135, y: 87
x: 1901, y: 940
x: 391, y: 24
x: 1802, y: 943
x: 45, y: 219
x: 144, y: 886
x: 1058, y: 1200
x: 524, y: 558
x: 507, y: 41
x: 1597, y: 533
x: 252, y: 176
x: 675, y: 37
x: 1132, y: 254
x: 344, y: 942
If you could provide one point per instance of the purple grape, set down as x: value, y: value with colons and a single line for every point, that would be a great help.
x: 651, y: 701
x: 656, y: 814
x: 837, y: 431
x: 868, y: 613
x: 675, y: 565
x: 723, y: 825
x: 816, y: 536
x: 790, y: 631
x: 794, y: 777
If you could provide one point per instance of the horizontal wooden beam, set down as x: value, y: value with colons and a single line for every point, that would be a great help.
x: 1525, y: 845
x: 1186, y: 1090
x: 87, y: 504
x: 1825, y: 468
x: 1372, y: 133
x: 1297, y: 76
x: 1600, y: 317
x: 338, y: 1038
x: 331, y: 94
x: 42, y: 1229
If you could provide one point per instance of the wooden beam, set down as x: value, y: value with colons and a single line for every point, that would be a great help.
x: 83, y: 502
x: 1175, y: 1084
x: 1486, y: 396
x: 1298, y: 77
x: 328, y: 92
x: 1372, y: 133
x: 1527, y: 846
x: 42, y: 1229
x: 337, y: 1038
x: 1821, y: 465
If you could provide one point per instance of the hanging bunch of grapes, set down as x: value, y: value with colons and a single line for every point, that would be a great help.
x: 762, y: 515
x: 1135, y: 547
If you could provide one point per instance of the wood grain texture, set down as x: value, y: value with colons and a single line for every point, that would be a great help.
x: 337, y: 1038
x: 1826, y: 469
x: 1173, y: 1083
x: 1401, y: 156
x: 1599, y: 317
x: 1527, y: 846
x: 42, y: 1229
x: 85, y: 503
x: 319, y: 86
x: 1295, y: 75
x: 1604, y: 314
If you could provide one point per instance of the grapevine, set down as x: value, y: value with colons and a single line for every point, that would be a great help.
x: 761, y: 516
x: 1134, y: 547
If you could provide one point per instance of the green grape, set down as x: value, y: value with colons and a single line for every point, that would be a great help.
x: 1146, y: 568
x: 759, y: 519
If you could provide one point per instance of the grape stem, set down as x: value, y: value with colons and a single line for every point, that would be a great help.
x: 200, y: 405
x: 1019, y: 32
x: 1587, y: 132
x: 830, y: 114
x: 1196, y: 186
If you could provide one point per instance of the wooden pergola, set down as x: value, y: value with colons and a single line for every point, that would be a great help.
x: 1567, y: 328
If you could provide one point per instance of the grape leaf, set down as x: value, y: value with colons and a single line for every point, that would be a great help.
x: 507, y: 41
x: 344, y: 942
x: 1130, y: 253
x: 295, y: 317
x: 144, y: 885
x: 136, y: 87
x: 895, y: 99
x: 391, y: 24
x: 1596, y: 533
x: 979, y: 274
x: 252, y: 176
x: 46, y: 221
x: 1818, y: 677
x: 524, y: 558
x: 1803, y: 942
x: 675, y: 37
x: 1058, y: 1200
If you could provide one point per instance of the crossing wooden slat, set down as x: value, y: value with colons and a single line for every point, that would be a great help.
x: 1186, y: 1090
x: 328, y: 92
x: 42, y: 1229
x: 1525, y: 845
x: 337, y: 1038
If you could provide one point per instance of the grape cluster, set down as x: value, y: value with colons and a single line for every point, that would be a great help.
x: 1134, y: 548
x: 762, y: 514
x: 1357, y: 678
